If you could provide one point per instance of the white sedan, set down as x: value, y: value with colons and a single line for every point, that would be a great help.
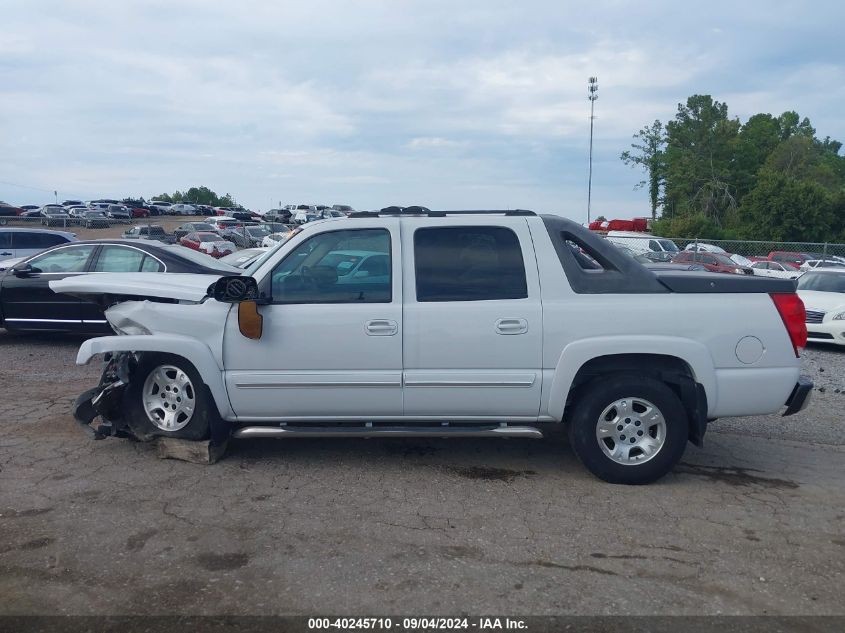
x: 774, y: 269
x: 811, y: 264
x: 274, y: 239
x: 823, y: 294
x: 182, y: 209
x: 703, y: 247
x: 244, y: 258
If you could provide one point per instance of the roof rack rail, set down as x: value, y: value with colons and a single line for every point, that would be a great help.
x: 418, y: 210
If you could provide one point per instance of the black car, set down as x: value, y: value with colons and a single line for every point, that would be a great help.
x: 27, y: 303
x: 54, y: 215
x: 94, y: 220
x: 247, y: 236
x: 119, y: 212
x: 243, y: 216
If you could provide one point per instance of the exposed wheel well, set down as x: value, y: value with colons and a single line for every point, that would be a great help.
x: 673, y: 371
x: 219, y: 428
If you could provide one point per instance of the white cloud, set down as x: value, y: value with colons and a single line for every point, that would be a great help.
x: 471, y: 104
x: 434, y: 142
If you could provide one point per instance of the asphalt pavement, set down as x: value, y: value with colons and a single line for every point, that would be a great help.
x: 753, y: 523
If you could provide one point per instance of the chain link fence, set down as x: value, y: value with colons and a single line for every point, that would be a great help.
x: 65, y: 222
x: 744, y: 253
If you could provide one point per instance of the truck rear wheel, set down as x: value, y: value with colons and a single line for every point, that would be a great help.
x: 166, y: 397
x: 628, y: 429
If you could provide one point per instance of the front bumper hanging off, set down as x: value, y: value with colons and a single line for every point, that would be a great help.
x: 105, y: 400
x: 800, y: 396
x: 99, y: 401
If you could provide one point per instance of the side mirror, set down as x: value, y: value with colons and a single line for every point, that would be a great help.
x: 22, y: 270
x: 234, y: 289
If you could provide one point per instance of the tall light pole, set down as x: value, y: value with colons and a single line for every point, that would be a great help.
x: 592, y: 95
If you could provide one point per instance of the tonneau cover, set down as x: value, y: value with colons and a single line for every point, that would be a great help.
x: 682, y: 281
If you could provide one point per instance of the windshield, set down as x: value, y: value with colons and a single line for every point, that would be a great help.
x: 668, y: 245
x: 724, y: 260
x: 823, y: 282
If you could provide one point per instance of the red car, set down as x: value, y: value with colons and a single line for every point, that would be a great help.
x: 139, y: 212
x: 791, y: 258
x: 208, y: 243
x: 7, y: 210
x: 714, y: 262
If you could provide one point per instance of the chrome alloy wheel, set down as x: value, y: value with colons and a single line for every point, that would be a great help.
x: 169, y: 398
x: 631, y: 431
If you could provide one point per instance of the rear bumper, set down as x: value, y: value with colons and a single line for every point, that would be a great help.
x: 800, y: 396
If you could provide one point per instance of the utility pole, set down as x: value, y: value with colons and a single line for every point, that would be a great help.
x: 592, y: 95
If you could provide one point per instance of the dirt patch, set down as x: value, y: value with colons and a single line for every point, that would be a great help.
x: 136, y: 542
x: 11, y: 513
x: 735, y: 476
x: 487, y: 473
x: 222, y: 562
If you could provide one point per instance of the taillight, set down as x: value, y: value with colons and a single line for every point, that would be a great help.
x: 791, y: 310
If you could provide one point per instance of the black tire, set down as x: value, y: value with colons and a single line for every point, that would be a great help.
x: 204, y: 410
x: 592, y: 401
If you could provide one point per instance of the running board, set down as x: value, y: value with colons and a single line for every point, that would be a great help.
x: 388, y: 431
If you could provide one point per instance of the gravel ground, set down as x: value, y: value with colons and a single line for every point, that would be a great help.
x: 116, y: 230
x: 753, y: 523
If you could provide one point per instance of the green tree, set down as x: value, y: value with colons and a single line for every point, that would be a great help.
x: 690, y: 226
x: 198, y: 195
x: 758, y: 137
x: 788, y: 209
x: 767, y: 178
x: 791, y: 124
x: 699, y: 150
x: 648, y: 155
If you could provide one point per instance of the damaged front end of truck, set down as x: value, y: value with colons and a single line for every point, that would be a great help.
x: 106, y: 399
x: 151, y: 314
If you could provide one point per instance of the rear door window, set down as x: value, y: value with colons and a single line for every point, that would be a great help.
x: 471, y: 263
x: 120, y: 259
x: 36, y: 240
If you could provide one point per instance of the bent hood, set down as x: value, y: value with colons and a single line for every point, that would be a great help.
x: 175, y: 286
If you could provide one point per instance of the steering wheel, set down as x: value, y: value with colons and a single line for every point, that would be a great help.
x: 308, y: 279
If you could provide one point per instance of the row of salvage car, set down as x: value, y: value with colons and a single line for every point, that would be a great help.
x: 221, y: 245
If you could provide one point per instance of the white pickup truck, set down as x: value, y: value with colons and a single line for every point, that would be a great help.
x: 411, y: 322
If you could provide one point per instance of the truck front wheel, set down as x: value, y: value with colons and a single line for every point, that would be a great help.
x: 167, y: 397
x: 628, y: 429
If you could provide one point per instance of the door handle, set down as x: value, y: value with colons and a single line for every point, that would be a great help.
x: 381, y: 327
x: 511, y: 326
x: 5, y: 253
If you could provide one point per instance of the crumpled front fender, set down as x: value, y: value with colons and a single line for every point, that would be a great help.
x: 194, y: 351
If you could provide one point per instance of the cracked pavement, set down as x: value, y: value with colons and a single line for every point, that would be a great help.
x: 753, y: 523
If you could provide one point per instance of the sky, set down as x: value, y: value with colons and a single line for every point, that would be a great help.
x: 460, y: 104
